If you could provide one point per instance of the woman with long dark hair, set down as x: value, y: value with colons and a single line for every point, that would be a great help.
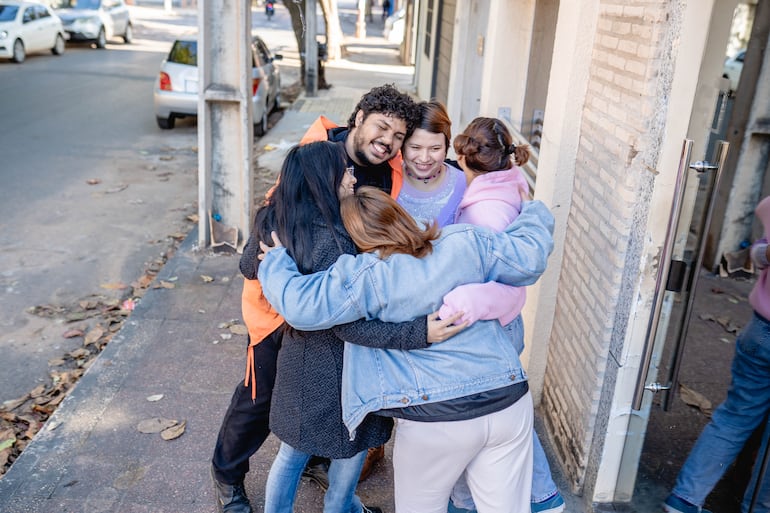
x: 305, y: 410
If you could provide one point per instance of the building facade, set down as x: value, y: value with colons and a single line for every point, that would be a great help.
x: 609, y: 91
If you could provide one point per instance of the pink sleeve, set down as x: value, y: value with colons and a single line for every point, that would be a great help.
x: 484, y: 301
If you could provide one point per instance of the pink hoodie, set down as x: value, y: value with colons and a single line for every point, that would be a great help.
x: 492, y: 200
x: 760, y: 294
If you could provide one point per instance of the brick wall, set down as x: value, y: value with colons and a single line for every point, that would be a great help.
x: 620, y: 133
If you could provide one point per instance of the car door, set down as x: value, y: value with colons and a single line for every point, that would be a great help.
x: 118, y: 14
x: 48, y: 27
x: 269, y: 69
x: 31, y: 33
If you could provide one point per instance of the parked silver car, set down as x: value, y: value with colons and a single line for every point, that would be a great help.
x: 27, y: 27
x: 176, y: 90
x: 95, y: 20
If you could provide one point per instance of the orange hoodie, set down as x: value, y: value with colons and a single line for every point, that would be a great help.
x: 260, y: 318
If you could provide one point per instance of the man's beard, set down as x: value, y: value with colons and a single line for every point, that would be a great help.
x: 361, y: 156
x: 363, y: 159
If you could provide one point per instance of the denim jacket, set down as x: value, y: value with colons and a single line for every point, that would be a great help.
x: 402, y: 287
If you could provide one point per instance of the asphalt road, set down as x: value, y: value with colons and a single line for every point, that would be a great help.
x: 85, y: 116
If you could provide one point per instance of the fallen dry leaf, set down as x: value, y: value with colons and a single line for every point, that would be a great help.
x: 93, y: 335
x: 693, y: 398
x: 114, y: 286
x: 79, y: 353
x: 155, y: 425
x: 154, y: 397
x: 7, y: 444
x: 206, y: 278
x: 118, y: 188
x: 165, y: 285
x: 75, y: 332
x: 12, y: 404
x: 239, y: 329
x: 173, y: 431
x: 93, y: 181
x: 144, y: 281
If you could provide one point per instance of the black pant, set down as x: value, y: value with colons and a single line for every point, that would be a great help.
x: 246, y: 424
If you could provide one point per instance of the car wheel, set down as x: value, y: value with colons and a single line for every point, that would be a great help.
x: 166, y: 123
x: 101, y: 39
x: 19, y: 54
x: 260, y: 128
x: 58, y: 46
x: 277, y: 101
x: 128, y: 37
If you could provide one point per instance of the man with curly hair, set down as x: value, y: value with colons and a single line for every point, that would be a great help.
x: 383, y: 118
x: 378, y: 126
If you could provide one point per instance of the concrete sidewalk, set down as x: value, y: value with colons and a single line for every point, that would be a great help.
x: 90, y: 456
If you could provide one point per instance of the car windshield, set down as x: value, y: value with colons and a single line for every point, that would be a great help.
x: 76, y: 4
x: 8, y: 12
x: 184, y: 52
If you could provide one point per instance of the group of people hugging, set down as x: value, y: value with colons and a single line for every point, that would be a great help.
x: 383, y: 292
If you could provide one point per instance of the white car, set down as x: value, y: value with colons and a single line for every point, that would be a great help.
x: 176, y: 90
x: 733, y: 68
x: 95, y: 20
x: 27, y: 27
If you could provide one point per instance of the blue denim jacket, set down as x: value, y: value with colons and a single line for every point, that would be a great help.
x: 403, y: 287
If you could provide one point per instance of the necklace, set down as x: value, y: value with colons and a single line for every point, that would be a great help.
x: 425, y: 179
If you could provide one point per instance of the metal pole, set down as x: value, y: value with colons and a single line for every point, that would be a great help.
x: 663, y: 267
x: 311, y: 49
x: 705, y: 222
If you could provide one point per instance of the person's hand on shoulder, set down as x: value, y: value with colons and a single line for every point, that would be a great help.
x: 265, y: 248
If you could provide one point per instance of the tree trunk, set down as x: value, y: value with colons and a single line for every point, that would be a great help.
x: 333, y: 29
x: 297, y: 13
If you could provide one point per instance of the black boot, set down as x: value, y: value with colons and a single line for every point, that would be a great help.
x: 230, y: 498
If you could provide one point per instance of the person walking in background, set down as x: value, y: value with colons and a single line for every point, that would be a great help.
x: 746, y: 407
x: 385, y: 9
x: 461, y: 405
x: 372, y: 139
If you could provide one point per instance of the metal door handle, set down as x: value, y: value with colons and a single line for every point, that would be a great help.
x: 702, y: 166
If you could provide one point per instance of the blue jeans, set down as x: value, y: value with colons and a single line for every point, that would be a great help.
x: 543, y: 486
x: 285, y: 474
x: 747, y: 403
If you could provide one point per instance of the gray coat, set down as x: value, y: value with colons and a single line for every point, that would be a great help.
x: 306, y: 410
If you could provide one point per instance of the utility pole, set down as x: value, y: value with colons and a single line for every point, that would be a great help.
x: 311, y: 49
x: 225, y: 125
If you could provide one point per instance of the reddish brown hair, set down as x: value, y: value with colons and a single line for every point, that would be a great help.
x: 376, y: 222
x: 434, y: 119
x: 487, y: 146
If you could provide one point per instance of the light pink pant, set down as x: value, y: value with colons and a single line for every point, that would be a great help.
x: 495, y: 451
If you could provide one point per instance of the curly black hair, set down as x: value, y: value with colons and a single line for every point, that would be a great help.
x: 386, y: 99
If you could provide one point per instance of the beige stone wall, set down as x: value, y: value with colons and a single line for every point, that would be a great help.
x: 622, y: 124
